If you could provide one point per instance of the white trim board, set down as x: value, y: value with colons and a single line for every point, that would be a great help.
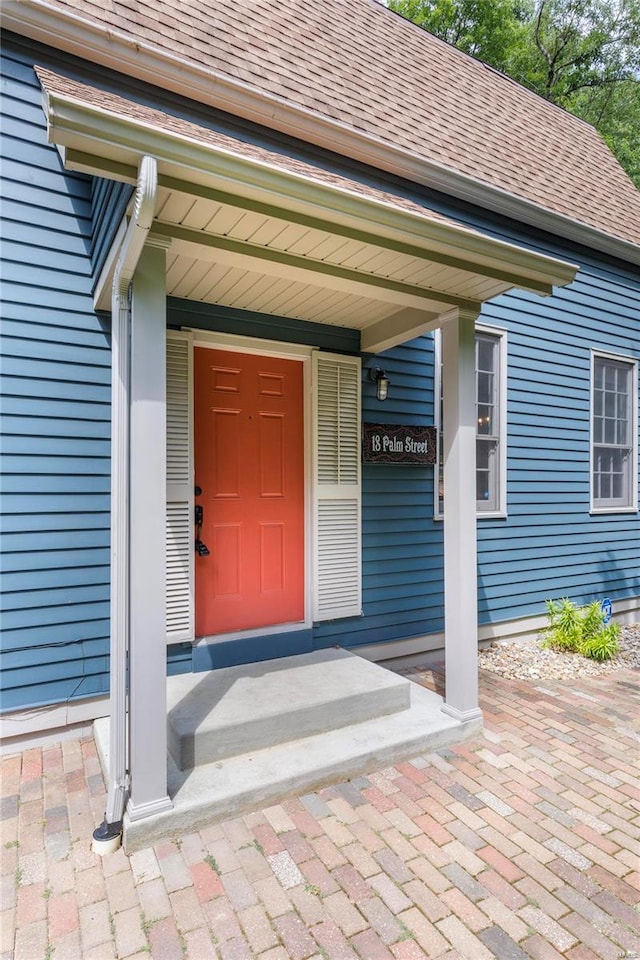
x: 238, y: 344
x: 21, y: 729
x: 626, y: 610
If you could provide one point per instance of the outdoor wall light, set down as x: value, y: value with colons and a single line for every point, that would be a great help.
x: 381, y: 381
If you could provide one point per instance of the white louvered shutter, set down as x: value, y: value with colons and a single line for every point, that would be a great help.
x: 338, y: 549
x: 180, y: 532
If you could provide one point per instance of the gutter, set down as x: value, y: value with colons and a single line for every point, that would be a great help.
x: 107, y: 837
x: 55, y: 27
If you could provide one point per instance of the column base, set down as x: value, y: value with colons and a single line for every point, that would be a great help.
x: 141, y: 810
x: 464, y: 716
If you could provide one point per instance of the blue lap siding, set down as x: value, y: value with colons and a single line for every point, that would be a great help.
x: 550, y: 546
x: 108, y: 204
x: 55, y: 418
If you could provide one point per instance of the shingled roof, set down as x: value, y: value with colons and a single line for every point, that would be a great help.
x: 357, y: 64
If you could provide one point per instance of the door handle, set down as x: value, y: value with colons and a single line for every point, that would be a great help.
x: 201, y: 548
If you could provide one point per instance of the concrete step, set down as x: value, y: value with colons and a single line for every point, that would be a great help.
x: 226, y: 713
x: 232, y: 787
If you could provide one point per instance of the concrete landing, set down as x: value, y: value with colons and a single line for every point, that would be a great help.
x: 225, y: 713
x: 237, y: 784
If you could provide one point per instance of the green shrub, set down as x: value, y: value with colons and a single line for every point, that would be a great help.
x: 580, y: 630
x: 564, y: 630
x: 603, y: 645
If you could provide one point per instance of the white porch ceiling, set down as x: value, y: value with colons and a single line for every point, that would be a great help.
x: 321, y: 276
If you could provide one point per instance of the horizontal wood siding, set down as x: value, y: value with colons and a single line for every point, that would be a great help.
x: 550, y: 546
x: 55, y: 568
x: 246, y: 323
x: 109, y: 201
x: 55, y: 418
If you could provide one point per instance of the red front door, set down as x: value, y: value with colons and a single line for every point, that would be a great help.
x: 249, y: 464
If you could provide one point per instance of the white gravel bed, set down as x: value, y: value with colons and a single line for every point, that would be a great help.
x: 527, y: 660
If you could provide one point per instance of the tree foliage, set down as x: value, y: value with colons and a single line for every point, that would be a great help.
x: 487, y: 29
x: 583, y: 55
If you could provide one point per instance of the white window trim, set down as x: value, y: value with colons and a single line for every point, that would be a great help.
x: 633, y: 363
x: 501, y: 333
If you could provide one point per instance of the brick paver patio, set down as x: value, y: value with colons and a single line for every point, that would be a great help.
x: 521, y: 844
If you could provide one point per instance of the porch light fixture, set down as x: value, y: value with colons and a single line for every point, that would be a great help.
x: 381, y: 381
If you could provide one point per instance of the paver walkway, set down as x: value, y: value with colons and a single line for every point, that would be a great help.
x: 521, y: 844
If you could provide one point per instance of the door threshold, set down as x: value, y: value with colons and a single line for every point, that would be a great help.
x: 269, y: 631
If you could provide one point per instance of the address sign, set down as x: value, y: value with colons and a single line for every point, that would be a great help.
x: 391, y: 443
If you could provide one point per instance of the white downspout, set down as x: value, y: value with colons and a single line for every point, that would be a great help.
x: 107, y: 836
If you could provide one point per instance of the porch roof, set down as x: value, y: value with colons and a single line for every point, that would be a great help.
x: 259, y: 229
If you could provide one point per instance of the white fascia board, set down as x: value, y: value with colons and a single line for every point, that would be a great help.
x: 56, y: 27
x: 106, y: 138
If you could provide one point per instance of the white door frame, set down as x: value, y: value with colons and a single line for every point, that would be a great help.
x: 284, y: 351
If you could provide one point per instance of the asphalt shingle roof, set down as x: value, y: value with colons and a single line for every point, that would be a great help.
x: 355, y: 62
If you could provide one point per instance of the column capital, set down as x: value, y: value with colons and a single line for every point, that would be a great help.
x: 459, y: 313
x: 154, y: 240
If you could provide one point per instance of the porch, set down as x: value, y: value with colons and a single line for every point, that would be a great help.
x: 232, y: 220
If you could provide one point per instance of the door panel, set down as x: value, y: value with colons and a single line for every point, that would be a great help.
x: 249, y: 464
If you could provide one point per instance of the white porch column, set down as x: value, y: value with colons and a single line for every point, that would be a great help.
x: 460, y: 552
x: 148, y: 495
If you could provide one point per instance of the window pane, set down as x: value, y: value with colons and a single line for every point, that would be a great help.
x: 485, y: 419
x: 484, y: 387
x: 622, y: 433
x: 487, y: 474
x: 598, y: 403
x: 485, y: 353
x: 610, y: 404
x: 609, y: 430
x: 598, y: 375
x: 610, y: 377
x: 598, y: 430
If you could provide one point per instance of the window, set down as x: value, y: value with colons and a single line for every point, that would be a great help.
x: 488, y: 418
x: 491, y: 390
x: 613, y: 433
